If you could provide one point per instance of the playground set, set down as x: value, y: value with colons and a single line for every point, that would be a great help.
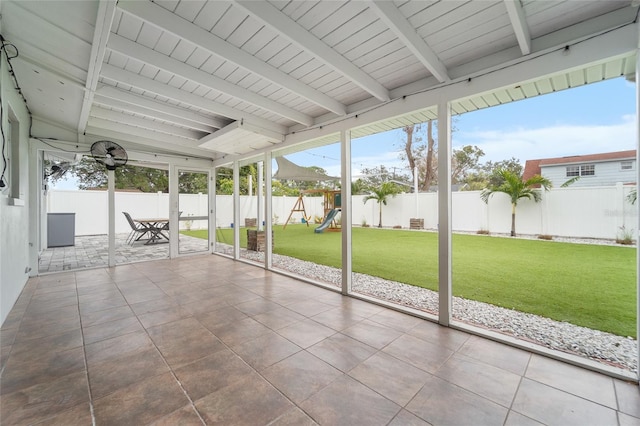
x: 332, y: 202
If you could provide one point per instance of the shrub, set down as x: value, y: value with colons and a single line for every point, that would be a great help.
x: 483, y: 232
x: 625, y: 236
x: 545, y: 237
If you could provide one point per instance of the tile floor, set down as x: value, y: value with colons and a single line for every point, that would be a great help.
x: 207, y: 340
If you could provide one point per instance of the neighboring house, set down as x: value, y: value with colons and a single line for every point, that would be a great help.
x: 603, y: 169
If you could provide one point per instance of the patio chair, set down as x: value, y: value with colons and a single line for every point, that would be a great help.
x: 138, y: 229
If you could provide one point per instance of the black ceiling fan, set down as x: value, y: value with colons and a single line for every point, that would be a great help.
x: 109, y: 153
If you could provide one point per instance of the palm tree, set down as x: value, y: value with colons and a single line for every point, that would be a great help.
x: 513, y: 185
x: 380, y: 194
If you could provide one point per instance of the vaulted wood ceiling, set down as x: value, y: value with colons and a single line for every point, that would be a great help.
x: 213, y: 78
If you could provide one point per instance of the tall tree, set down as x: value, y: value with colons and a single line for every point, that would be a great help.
x: 430, y: 172
x: 380, y: 195
x: 409, y: 147
x: 375, y: 176
x: 92, y: 175
x: 465, y: 159
x: 516, y: 189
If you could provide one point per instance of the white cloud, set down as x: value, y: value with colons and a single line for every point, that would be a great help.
x: 553, y: 141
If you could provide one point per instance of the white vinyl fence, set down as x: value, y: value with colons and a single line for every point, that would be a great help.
x: 595, y: 212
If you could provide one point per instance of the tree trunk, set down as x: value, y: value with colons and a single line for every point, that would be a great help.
x: 513, y: 220
x: 380, y: 217
x: 408, y: 147
x: 429, y: 169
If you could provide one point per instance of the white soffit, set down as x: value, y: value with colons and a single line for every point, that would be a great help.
x: 240, y: 138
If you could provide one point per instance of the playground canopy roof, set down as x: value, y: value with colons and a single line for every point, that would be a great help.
x: 291, y: 171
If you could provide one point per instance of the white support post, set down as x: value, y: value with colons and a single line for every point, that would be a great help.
x: 345, y: 161
x: 236, y: 210
x: 112, y: 217
x: 35, y: 199
x: 268, y: 212
x: 213, y: 222
x: 260, y: 195
x: 174, y: 206
x: 415, y: 190
x: 444, y: 213
x: 637, y: 203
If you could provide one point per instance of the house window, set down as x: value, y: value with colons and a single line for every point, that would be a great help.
x: 588, y: 170
x: 626, y: 165
x: 573, y: 171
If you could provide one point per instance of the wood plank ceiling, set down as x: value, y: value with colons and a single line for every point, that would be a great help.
x: 209, y: 78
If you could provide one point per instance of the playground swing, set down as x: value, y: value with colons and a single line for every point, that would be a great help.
x: 298, y: 207
x: 332, y: 206
x: 290, y: 171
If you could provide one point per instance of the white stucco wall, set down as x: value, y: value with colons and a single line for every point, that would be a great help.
x: 14, y: 219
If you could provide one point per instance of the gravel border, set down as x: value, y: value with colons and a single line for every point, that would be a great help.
x: 607, y: 348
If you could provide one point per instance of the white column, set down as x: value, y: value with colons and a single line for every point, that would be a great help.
x: 111, y: 207
x: 345, y: 161
x: 444, y: 213
x: 415, y: 190
x: 174, y: 207
x: 236, y: 210
x: 35, y: 200
x: 637, y: 185
x: 213, y: 222
x: 268, y: 212
x: 260, y: 195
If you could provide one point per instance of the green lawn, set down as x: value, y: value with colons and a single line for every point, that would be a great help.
x: 588, y: 285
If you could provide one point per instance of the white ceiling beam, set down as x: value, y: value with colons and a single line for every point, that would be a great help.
x: 172, y: 142
x: 160, y: 107
x: 135, y: 109
x: 167, y: 21
x: 156, y: 126
x: 519, y: 24
x: 150, y: 85
x: 298, y: 35
x: 137, y: 51
x: 50, y: 63
x: 104, y: 19
x: 146, y: 141
x: 393, y: 18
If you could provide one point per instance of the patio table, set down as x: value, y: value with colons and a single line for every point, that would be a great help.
x: 156, y: 227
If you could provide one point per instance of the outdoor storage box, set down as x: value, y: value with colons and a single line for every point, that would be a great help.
x: 61, y: 229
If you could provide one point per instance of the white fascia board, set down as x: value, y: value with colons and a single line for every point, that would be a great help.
x: 150, y: 85
x: 298, y: 35
x: 155, y: 126
x: 161, y: 107
x: 104, y: 19
x: 141, y: 53
x: 167, y: 21
x: 392, y: 17
x: 147, y: 141
x: 599, y: 49
x: 519, y: 24
x: 135, y: 109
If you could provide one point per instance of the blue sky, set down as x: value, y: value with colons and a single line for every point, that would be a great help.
x: 586, y: 120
